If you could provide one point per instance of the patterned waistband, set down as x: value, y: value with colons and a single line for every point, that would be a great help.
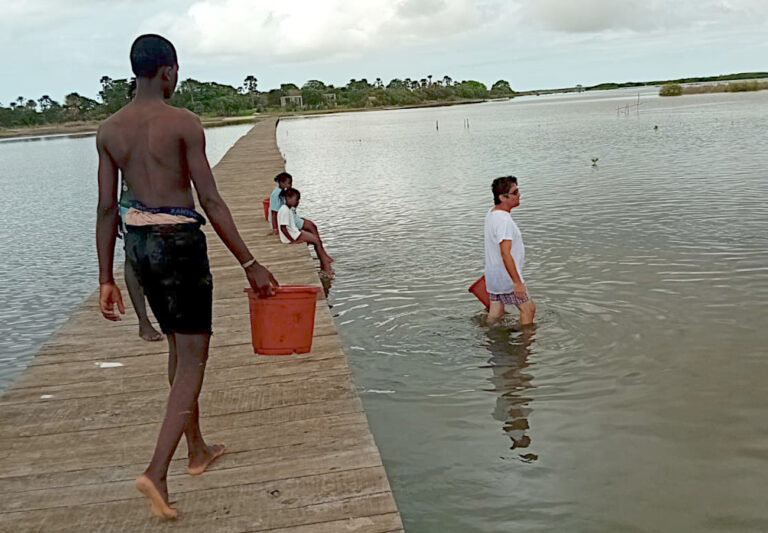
x: 176, y: 211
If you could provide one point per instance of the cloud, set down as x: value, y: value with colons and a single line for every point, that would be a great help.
x: 595, y: 16
x: 303, y: 30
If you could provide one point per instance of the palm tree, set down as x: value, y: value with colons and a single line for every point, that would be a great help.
x: 251, y: 85
x: 447, y: 81
x: 45, y: 102
x: 430, y: 78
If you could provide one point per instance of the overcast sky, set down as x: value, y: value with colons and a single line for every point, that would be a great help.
x: 54, y: 47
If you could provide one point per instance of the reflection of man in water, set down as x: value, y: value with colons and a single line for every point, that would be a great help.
x: 509, y: 358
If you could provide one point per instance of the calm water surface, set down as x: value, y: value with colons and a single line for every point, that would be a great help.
x: 47, y: 236
x: 639, y: 402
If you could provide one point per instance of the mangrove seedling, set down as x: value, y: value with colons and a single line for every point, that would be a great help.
x: 594, y: 161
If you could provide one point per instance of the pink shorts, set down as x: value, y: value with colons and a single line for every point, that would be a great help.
x: 509, y: 299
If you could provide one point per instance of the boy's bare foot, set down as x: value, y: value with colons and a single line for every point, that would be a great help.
x: 149, y: 333
x: 157, y: 502
x: 199, y: 464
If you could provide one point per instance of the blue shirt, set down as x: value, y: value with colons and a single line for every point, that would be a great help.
x: 275, y: 202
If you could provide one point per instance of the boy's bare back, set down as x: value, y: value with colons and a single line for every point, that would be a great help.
x: 154, y: 145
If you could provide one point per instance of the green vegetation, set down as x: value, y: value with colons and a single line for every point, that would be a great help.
x: 722, y: 77
x: 733, y: 87
x: 209, y: 99
x: 671, y: 89
x: 744, y: 86
x: 215, y: 99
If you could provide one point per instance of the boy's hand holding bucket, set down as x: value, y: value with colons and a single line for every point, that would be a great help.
x: 260, y: 279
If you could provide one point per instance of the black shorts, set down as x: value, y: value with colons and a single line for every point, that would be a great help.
x: 171, y: 262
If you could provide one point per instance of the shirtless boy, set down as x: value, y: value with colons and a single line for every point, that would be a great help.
x: 160, y: 151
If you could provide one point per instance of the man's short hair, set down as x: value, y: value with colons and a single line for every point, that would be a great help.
x: 502, y: 186
x: 149, y: 52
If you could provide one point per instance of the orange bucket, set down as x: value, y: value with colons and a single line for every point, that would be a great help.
x: 479, y: 290
x: 265, y: 203
x: 283, y: 324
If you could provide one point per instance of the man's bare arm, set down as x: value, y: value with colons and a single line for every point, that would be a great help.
x: 505, y: 247
x: 106, y: 232
x: 107, y: 213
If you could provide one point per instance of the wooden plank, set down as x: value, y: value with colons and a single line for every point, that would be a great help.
x: 244, y: 472
x: 259, y: 506
x: 342, y: 437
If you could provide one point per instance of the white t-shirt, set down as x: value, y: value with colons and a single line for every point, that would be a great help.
x: 499, y: 226
x: 285, y: 218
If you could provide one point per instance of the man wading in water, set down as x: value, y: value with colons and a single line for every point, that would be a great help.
x: 159, y: 149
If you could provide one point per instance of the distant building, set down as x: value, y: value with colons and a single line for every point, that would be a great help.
x: 295, y: 100
x: 579, y: 88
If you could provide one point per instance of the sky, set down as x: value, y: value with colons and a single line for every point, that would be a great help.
x: 54, y: 48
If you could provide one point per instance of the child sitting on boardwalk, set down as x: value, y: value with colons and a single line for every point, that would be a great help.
x: 291, y: 233
x: 505, y: 254
x: 285, y: 181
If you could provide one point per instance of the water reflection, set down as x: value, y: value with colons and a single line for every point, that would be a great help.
x: 510, y: 350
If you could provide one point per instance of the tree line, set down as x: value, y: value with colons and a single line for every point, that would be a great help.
x: 215, y: 99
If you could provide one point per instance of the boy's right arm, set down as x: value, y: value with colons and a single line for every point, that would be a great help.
x: 106, y: 230
x: 284, y: 229
x: 214, y: 206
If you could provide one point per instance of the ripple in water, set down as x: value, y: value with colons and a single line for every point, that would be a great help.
x: 631, y: 406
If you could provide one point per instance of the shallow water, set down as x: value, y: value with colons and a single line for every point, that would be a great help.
x: 47, y: 236
x: 638, y: 403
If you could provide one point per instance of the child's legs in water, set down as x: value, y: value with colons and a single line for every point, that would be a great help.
x: 314, y: 240
x: 311, y: 227
x: 495, y: 312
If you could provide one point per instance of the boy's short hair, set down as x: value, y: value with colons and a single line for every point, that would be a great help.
x: 290, y: 191
x: 282, y: 177
x: 501, y: 186
x: 149, y: 52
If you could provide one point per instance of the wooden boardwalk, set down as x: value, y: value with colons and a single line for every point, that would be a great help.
x: 80, y: 423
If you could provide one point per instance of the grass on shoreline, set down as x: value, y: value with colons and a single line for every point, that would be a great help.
x: 674, y: 89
